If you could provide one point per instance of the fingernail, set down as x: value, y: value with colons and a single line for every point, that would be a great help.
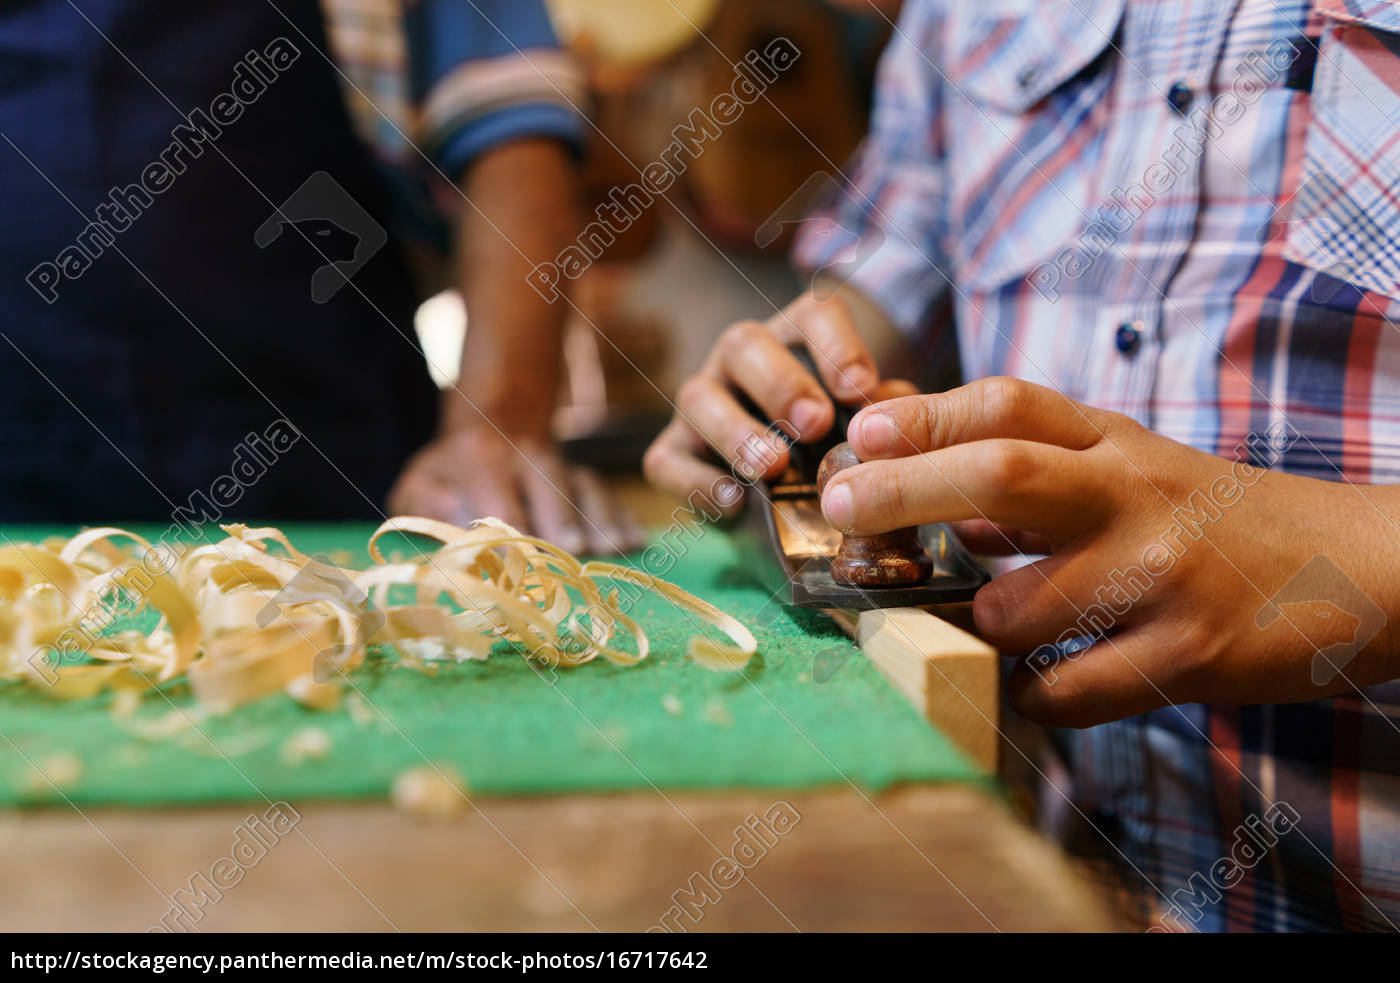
x: 877, y: 433
x: 728, y: 492
x: 806, y: 414
x: 755, y: 460
x: 838, y: 506
x: 570, y: 540
x: 857, y: 376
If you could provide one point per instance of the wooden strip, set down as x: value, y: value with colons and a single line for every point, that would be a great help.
x: 952, y: 677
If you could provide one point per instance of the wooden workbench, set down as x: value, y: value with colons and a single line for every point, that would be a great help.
x: 935, y: 858
x: 918, y: 857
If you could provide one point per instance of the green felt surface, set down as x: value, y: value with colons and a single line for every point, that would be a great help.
x: 596, y: 727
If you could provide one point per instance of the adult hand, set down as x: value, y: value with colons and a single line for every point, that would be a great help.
x: 475, y: 472
x: 494, y: 455
x: 712, y: 430
x: 1206, y: 580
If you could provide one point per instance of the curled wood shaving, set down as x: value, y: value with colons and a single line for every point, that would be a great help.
x: 251, y: 615
x: 710, y: 654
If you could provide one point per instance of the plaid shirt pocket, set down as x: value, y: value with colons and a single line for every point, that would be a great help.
x: 1344, y: 218
x: 1020, y: 129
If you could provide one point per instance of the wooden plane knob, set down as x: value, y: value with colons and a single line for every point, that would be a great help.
x: 889, y: 559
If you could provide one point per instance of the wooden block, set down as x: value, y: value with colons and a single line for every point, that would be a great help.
x: 952, y: 677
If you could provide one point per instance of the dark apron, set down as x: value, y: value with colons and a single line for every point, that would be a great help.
x: 132, y: 387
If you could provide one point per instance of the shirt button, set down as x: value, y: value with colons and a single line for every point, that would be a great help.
x: 1027, y: 77
x: 1179, y: 96
x: 1127, y: 338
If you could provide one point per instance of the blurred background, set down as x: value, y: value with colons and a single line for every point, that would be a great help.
x: 698, y: 258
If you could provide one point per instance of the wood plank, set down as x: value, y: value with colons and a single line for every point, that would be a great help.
x: 921, y: 858
x: 951, y: 676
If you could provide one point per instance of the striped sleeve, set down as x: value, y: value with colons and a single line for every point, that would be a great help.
x: 484, y: 72
x: 882, y: 228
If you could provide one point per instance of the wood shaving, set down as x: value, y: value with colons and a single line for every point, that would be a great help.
x: 126, y: 702
x: 718, y: 714
x: 307, y: 744
x: 359, y: 710
x: 342, y: 557
x: 251, y: 615
x: 316, y: 696
x: 59, y: 770
x: 706, y: 652
x: 430, y: 792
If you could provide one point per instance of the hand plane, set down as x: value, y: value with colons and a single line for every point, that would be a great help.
x: 788, y: 516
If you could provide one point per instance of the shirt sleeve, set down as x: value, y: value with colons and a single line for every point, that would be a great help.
x: 483, y: 72
x: 882, y: 229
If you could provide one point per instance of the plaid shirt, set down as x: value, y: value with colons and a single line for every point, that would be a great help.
x: 1185, y: 211
x: 449, y: 78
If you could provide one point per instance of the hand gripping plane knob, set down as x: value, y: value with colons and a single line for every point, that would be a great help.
x: 888, y: 559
